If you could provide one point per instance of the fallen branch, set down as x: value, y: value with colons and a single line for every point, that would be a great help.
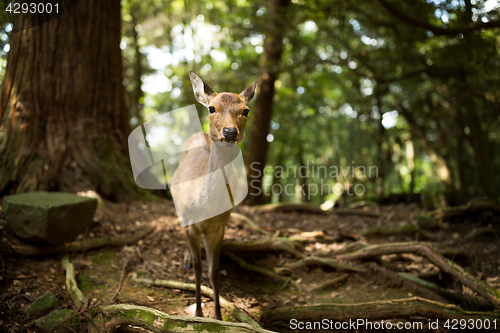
x: 77, y: 246
x: 157, y: 321
x: 413, y: 307
x: 75, y: 293
x: 330, y: 283
x: 274, y: 244
x: 317, y: 261
x: 263, y: 271
x: 237, y: 313
x: 426, y: 250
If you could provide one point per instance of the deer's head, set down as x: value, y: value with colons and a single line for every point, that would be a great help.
x: 227, y: 112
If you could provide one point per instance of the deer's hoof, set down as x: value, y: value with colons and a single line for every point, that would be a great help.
x: 187, y: 265
x: 199, y: 313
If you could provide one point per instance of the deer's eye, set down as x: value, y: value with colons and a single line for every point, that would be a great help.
x: 211, y: 109
x: 245, y: 112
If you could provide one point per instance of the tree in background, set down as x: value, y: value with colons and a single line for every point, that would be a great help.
x: 64, y: 124
x: 257, y: 144
x: 361, y: 83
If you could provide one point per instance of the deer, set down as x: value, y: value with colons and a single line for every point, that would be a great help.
x: 228, y: 114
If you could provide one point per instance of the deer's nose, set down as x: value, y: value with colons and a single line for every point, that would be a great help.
x: 230, y: 133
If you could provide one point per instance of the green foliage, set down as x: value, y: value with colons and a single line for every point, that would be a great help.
x: 358, y: 86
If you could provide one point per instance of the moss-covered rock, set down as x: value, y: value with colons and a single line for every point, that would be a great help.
x: 54, y: 318
x: 45, y: 302
x: 48, y: 217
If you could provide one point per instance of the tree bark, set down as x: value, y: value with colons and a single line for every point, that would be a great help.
x: 256, y: 151
x: 63, y: 121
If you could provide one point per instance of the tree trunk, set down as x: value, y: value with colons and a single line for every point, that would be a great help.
x: 256, y: 151
x: 480, y: 144
x: 137, y: 95
x: 63, y: 121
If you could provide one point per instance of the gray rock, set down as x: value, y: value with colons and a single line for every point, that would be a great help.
x: 48, y: 217
x: 45, y: 302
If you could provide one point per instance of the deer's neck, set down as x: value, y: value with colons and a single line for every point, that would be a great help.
x: 221, y: 154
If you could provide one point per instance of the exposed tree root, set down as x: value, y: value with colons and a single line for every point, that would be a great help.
x: 77, y: 246
x: 352, y: 211
x: 59, y: 317
x: 350, y: 248
x: 157, y: 321
x: 250, y: 223
x: 75, y: 293
x: 290, y: 207
x: 330, y: 283
x: 237, y: 313
x: 413, y: 307
x: 263, y: 271
x: 409, y: 230
x: 472, y: 206
x: 273, y: 244
x: 317, y: 261
x: 477, y: 232
x: 454, y: 297
x: 426, y: 250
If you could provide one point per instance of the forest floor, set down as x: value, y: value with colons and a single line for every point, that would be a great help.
x: 160, y: 255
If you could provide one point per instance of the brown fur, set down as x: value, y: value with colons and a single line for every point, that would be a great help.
x: 229, y: 109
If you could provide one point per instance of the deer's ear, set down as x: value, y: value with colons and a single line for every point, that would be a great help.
x: 249, y: 92
x: 202, y: 91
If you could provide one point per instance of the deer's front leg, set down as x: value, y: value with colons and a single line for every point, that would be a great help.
x: 213, y: 246
x: 194, y: 245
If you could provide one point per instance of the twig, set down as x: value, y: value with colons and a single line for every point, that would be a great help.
x: 122, y: 277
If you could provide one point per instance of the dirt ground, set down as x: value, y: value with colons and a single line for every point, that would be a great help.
x: 159, y: 255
